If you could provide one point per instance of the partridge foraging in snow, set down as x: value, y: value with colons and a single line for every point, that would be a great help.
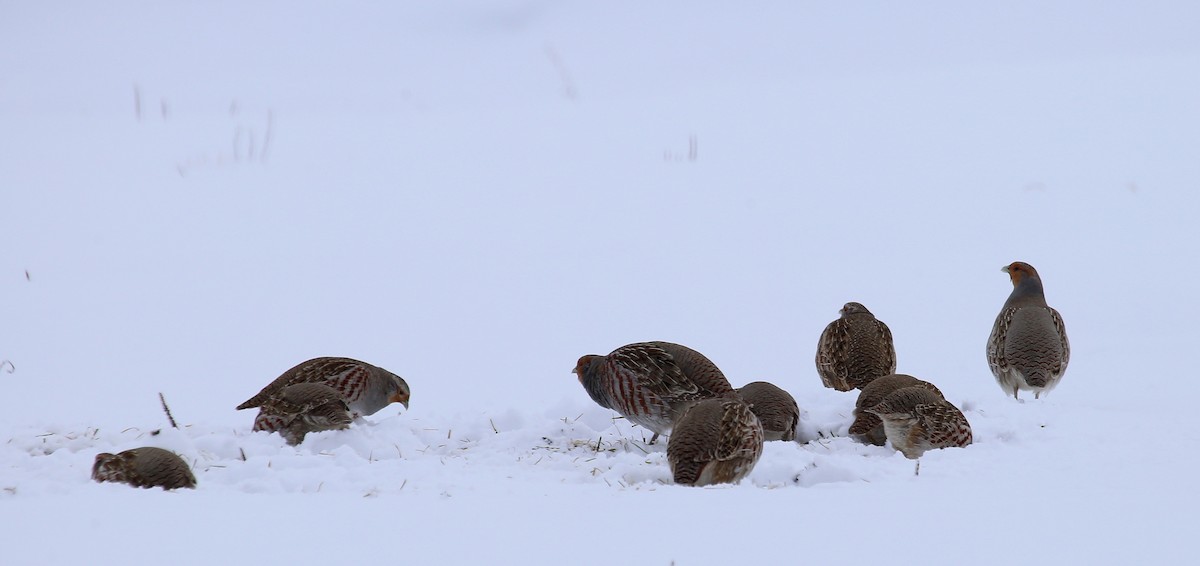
x: 916, y: 419
x: 775, y: 409
x: 144, y: 467
x: 855, y: 349
x: 365, y: 388
x: 651, y: 383
x: 303, y: 408
x: 1028, y: 347
x: 867, y: 426
x: 715, y: 441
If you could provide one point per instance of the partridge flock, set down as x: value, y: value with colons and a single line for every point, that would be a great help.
x: 715, y: 432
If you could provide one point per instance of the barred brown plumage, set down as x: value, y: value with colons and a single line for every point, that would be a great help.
x: 916, y: 420
x: 651, y: 383
x: 775, y: 408
x: 854, y: 349
x: 299, y: 409
x: 715, y: 441
x: 144, y: 467
x: 1028, y: 347
x: 365, y: 388
x: 867, y: 426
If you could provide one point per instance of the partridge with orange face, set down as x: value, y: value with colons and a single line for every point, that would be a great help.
x: 651, y: 383
x: 1028, y: 347
x: 365, y: 388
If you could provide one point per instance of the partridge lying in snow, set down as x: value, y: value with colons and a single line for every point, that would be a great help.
x: 916, y: 419
x: 144, y: 467
x: 775, y: 409
x: 299, y: 409
x: 855, y: 349
x: 715, y: 441
x: 867, y: 426
x: 365, y: 388
x: 651, y: 383
x: 1028, y: 347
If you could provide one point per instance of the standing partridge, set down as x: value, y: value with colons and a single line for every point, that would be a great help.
x: 651, y: 383
x: 867, y: 426
x: 366, y: 388
x: 299, y: 409
x: 855, y: 349
x: 916, y: 419
x: 1028, y: 347
x: 715, y: 441
x: 775, y: 409
x: 144, y: 467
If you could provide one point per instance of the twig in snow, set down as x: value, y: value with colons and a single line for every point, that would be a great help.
x: 262, y: 155
x: 494, y: 429
x: 243, y: 451
x: 917, y: 472
x: 137, y: 102
x: 564, y: 75
x: 404, y: 483
x: 167, y: 410
x: 237, y: 136
x: 598, y: 442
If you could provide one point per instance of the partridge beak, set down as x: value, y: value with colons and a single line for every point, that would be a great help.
x: 399, y: 397
x: 1005, y: 269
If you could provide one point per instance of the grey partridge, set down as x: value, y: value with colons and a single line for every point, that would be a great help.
x: 1028, y: 348
x: 916, y: 420
x: 855, y: 349
x: 365, y: 388
x: 299, y: 409
x: 867, y: 426
x: 775, y: 408
x: 144, y: 467
x: 715, y: 441
x: 651, y: 383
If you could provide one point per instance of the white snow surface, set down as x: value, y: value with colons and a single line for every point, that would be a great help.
x: 197, y: 196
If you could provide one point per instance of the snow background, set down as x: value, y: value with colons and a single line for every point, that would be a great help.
x: 197, y: 196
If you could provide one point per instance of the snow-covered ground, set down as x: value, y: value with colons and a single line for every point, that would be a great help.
x: 197, y: 196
